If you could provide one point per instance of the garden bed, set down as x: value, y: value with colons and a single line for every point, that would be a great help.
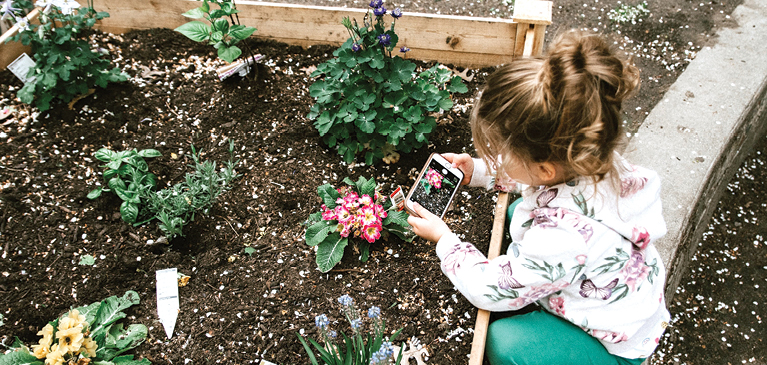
x: 237, y: 308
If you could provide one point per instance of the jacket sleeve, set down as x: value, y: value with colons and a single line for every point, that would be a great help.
x: 482, y: 177
x: 547, y: 262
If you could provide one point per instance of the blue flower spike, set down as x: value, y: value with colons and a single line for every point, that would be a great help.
x: 396, y: 13
x: 321, y: 321
x: 384, y: 39
x: 345, y: 300
x: 379, y: 11
x: 374, y: 312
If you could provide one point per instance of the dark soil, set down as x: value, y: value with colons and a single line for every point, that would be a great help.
x: 239, y: 308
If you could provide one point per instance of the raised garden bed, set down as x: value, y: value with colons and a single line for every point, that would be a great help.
x: 237, y: 307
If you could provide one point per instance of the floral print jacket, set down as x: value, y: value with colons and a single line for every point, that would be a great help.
x: 584, y: 255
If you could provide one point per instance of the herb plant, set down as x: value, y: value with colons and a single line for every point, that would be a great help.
x: 127, y: 174
x: 370, y: 101
x: 628, y: 13
x: 356, y: 211
x: 85, y: 335
x: 220, y: 33
x: 66, y: 64
x: 361, y: 348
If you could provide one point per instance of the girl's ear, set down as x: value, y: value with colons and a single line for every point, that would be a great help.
x: 547, y: 171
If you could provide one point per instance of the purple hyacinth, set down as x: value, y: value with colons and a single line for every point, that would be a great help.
x: 376, y: 3
x: 379, y: 11
x: 396, y: 13
x: 384, y: 39
x: 404, y: 49
x: 356, y: 47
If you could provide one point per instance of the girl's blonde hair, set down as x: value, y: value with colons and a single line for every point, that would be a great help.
x: 563, y: 107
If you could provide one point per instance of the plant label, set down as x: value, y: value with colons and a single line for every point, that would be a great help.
x: 167, y: 299
x: 21, y: 66
x: 398, y: 198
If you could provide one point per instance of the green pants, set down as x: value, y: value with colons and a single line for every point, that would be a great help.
x: 538, y: 337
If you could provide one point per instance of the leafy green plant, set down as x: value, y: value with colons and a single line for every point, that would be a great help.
x: 66, y: 64
x: 220, y: 33
x: 127, y: 174
x: 91, y: 333
x: 361, y: 348
x: 368, y: 101
x: 87, y: 260
x: 628, y: 13
x: 357, y: 210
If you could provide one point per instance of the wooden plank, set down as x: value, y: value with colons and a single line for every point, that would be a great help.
x: 483, y: 316
x: 533, y: 12
x: 529, y: 42
x: 539, y: 31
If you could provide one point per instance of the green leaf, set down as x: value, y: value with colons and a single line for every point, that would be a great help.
x: 445, y: 104
x: 221, y: 25
x: 195, y: 30
x: 366, y: 186
x: 330, y: 251
x: 149, y: 153
x: 87, y: 260
x: 111, y: 310
x: 316, y: 233
x: 195, y: 13
x: 242, y: 33
x: 128, y: 360
x: 19, y: 357
x: 229, y: 54
x: 364, y: 250
x: 250, y: 251
x: 104, y: 155
x: 328, y: 194
x: 129, y: 212
x: 396, y: 217
x: 95, y: 193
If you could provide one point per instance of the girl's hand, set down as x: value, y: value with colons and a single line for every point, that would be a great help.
x: 464, y: 163
x: 428, y: 226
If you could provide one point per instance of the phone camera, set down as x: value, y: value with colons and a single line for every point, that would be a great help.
x: 444, y: 171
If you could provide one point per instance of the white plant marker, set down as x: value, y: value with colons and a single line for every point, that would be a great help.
x: 21, y: 66
x: 167, y: 299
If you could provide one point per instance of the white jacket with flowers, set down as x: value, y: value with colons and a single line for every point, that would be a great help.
x: 585, y: 256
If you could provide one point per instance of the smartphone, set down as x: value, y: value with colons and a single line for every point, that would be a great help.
x: 435, y: 187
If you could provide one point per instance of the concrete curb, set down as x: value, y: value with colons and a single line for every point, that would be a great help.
x: 697, y: 137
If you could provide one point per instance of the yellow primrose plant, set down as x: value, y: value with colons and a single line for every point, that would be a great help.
x: 84, y: 335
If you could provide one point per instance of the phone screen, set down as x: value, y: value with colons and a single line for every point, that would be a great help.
x: 435, y: 188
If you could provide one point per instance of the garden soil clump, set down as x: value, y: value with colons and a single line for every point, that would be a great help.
x: 240, y: 305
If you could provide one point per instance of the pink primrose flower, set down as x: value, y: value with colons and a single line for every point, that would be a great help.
x: 581, y: 259
x: 366, y: 200
x: 538, y: 292
x: 329, y: 215
x: 372, y: 232
x: 380, y: 212
x: 558, y: 305
x: 434, y: 178
x: 343, y: 229
x: 368, y: 216
x: 635, y: 272
x: 640, y: 237
x: 342, y: 214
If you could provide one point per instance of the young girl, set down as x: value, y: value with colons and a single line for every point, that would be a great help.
x: 582, y: 232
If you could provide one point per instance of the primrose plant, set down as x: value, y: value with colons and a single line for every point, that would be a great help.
x: 66, y: 64
x: 357, y: 211
x: 220, y: 33
x: 370, y: 101
x: 127, y: 174
x: 85, y: 335
x: 362, y: 347
x: 434, y: 180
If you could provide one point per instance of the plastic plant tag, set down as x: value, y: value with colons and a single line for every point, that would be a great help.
x: 21, y: 66
x: 167, y: 299
x: 398, y: 198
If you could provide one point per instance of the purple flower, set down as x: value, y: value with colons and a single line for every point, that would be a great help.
x: 356, y: 47
x: 379, y: 11
x: 376, y: 3
x: 345, y: 300
x: 356, y: 323
x: 396, y: 13
x: 321, y: 321
x: 404, y: 49
x: 384, y: 39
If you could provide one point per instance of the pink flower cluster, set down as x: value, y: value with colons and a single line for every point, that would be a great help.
x: 356, y: 215
x: 434, y: 178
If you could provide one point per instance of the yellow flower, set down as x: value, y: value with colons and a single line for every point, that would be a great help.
x: 46, y: 332
x: 40, y: 351
x: 89, y: 346
x: 71, y: 320
x: 71, y: 339
x: 75, y: 314
x: 55, y: 357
